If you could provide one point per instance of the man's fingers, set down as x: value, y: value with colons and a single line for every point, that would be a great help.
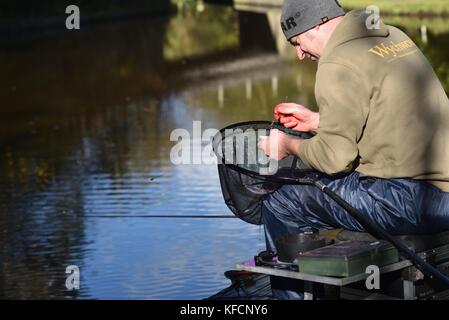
x: 286, y: 108
x: 288, y: 119
x: 291, y: 124
x: 262, y: 144
x: 282, y: 109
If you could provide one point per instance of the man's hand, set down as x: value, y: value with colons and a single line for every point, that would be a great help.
x: 296, y: 117
x: 279, y: 145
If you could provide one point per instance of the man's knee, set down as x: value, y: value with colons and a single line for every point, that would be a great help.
x: 289, y: 199
x: 294, y: 208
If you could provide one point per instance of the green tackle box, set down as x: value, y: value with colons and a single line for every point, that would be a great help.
x: 347, y: 258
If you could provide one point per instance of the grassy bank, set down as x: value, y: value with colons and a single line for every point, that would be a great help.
x: 403, y: 7
x: 436, y: 25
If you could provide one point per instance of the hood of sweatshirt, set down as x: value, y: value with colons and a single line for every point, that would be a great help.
x: 356, y: 24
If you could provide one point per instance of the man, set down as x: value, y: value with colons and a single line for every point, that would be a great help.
x: 383, y: 122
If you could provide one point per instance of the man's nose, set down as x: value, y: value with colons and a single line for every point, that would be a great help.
x: 300, y: 53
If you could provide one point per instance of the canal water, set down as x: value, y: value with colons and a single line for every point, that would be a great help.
x: 85, y: 126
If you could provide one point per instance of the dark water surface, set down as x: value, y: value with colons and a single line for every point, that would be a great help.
x: 85, y: 127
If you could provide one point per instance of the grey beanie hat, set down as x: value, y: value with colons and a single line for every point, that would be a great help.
x: 298, y: 16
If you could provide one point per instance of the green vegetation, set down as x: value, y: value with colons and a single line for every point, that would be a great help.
x: 194, y: 32
x: 435, y: 25
x: 403, y: 7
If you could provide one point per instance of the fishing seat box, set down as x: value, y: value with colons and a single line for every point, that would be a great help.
x: 347, y: 258
x: 355, y: 251
x: 417, y: 243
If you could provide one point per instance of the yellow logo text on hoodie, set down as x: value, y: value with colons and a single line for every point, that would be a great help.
x: 394, y: 50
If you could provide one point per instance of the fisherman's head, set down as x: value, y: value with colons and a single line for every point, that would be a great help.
x: 308, y: 24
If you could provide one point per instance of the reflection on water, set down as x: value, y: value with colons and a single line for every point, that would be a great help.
x: 85, y: 130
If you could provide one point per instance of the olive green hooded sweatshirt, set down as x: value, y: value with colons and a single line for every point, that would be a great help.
x: 382, y: 108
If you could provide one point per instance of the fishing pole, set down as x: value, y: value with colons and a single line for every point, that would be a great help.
x: 425, y: 267
x: 377, y: 232
x: 163, y: 216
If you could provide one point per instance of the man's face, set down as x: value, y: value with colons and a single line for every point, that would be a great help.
x: 306, y: 45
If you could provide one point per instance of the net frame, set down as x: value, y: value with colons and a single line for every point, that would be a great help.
x: 262, y: 125
x: 243, y: 189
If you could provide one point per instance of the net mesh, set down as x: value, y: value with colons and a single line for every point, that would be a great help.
x: 246, y: 174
